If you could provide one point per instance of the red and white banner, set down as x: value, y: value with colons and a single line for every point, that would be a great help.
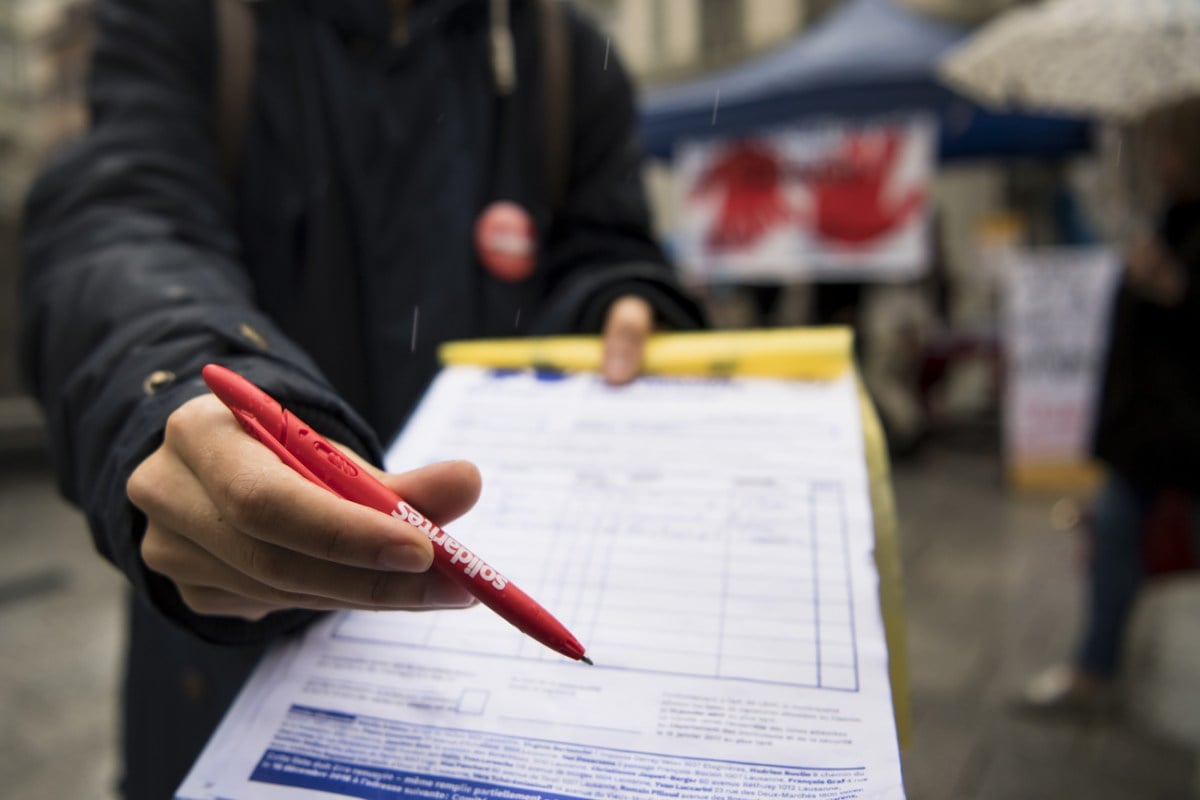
x: 830, y: 202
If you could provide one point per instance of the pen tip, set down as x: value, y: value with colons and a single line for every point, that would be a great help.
x: 586, y: 660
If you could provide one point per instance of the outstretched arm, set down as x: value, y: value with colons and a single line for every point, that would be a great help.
x: 133, y: 281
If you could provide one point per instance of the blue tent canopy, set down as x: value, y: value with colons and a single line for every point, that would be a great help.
x: 865, y: 59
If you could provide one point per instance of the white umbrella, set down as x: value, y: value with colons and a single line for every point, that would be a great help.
x: 1109, y: 58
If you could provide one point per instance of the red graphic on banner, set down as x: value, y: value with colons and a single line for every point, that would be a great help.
x: 849, y: 199
x: 749, y: 176
x: 849, y: 207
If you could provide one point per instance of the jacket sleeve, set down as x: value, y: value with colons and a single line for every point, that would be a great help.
x: 601, y: 245
x: 132, y: 282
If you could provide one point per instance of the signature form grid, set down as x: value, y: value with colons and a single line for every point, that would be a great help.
x: 667, y: 539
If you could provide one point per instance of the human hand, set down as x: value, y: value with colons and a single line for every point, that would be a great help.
x: 626, y: 328
x: 241, y: 534
x: 1153, y: 273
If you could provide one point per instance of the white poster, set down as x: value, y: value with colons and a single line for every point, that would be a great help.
x: 1057, y: 317
x: 833, y: 202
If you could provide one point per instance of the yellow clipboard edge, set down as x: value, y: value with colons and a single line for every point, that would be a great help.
x: 796, y: 353
x: 887, y: 562
x: 812, y: 353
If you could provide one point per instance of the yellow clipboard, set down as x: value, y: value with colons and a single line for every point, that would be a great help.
x: 815, y: 353
x: 797, y: 353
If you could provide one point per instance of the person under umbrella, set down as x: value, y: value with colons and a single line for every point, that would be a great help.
x: 1148, y: 428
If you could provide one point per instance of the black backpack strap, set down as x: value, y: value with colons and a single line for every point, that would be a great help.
x: 556, y: 100
x: 235, y: 44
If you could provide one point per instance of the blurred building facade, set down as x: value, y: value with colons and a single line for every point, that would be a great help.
x: 666, y: 40
x: 44, y: 46
x: 14, y: 171
x: 966, y: 12
x: 15, y: 103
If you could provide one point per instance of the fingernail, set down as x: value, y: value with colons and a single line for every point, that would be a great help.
x: 441, y: 593
x: 406, y: 558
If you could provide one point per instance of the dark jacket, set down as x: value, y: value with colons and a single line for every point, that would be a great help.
x: 1148, y: 426
x: 328, y: 272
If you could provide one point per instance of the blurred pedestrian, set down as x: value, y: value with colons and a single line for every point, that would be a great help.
x: 1148, y: 429
x: 390, y: 189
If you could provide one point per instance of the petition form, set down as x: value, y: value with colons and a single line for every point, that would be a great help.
x: 709, y: 541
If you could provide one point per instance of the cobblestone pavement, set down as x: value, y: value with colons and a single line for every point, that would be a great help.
x: 992, y: 590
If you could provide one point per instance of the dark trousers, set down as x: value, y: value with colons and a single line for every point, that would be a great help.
x: 177, y: 688
x: 1117, y: 570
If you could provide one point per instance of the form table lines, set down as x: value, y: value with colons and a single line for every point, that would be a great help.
x: 808, y: 641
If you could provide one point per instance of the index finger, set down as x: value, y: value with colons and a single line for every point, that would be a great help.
x: 262, y: 497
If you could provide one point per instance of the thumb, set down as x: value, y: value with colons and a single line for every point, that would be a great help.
x: 443, y: 492
x: 625, y: 332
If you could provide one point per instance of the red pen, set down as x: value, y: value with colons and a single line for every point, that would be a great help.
x: 304, y: 450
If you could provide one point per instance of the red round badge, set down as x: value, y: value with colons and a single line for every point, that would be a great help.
x: 506, y: 240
